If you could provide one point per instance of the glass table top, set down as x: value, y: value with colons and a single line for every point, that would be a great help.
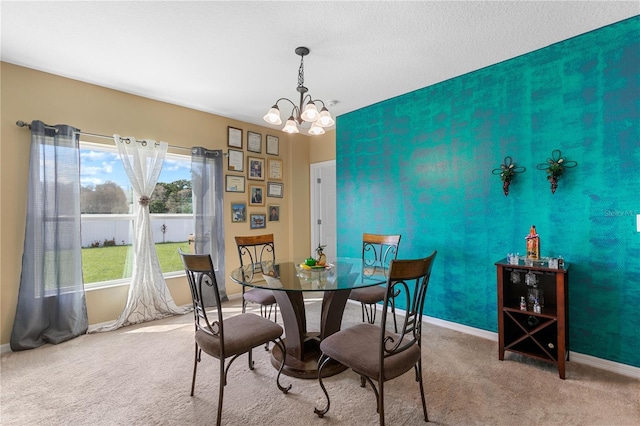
x: 340, y: 274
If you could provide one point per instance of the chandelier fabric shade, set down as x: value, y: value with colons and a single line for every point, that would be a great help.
x: 306, y: 111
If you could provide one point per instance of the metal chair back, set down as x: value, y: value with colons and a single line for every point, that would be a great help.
x: 377, y: 252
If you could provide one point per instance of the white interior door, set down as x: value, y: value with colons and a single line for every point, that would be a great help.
x: 323, y: 207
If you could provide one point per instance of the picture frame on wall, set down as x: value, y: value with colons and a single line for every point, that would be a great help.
x: 275, y: 189
x: 238, y: 212
x: 234, y: 183
x: 257, y: 221
x: 274, y: 212
x: 234, y: 137
x: 256, y: 168
x: 256, y: 195
x: 254, y: 142
x: 275, y: 168
x: 273, y: 145
x: 235, y: 160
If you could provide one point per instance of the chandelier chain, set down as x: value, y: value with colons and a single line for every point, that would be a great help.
x: 301, y: 72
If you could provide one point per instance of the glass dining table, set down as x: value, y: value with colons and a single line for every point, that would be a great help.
x: 289, y: 280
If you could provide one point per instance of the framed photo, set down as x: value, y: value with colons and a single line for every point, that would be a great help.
x: 257, y: 221
x: 256, y: 195
x: 234, y: 137
x: 274, y: 189
x: 238, y: 212
x: 275, y: 169
x: 256, y: 168
x: 234, y: 183
x: 274, y: 212
x: 235, y: 160
x: 254, y: 142
x: 273, y: 145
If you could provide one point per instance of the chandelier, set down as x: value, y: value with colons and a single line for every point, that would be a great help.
x: 305, y: 111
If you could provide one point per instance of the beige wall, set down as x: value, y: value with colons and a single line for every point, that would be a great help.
x: 32, y: 95
x: 323, y: 148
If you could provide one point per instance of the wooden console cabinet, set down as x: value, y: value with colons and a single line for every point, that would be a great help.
x: 542, y: 335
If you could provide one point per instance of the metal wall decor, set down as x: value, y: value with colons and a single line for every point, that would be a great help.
x: 555, y: 168
x: 507, y: 171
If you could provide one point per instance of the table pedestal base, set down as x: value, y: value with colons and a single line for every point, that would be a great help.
x: 307, y: 368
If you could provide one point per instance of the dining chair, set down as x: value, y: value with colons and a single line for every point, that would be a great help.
x: 375, y: 353
x: 252, y: 251
x: 225, y: 337
x: 377, y: 252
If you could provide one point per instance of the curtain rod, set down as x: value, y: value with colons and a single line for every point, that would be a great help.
x: 21, y: 123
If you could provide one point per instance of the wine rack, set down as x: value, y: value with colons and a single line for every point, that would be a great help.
x: 537, y: 333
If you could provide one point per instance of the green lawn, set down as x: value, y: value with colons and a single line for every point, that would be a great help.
x: 110, y: 263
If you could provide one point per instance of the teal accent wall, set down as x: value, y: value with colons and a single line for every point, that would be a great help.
x: 420, y: 165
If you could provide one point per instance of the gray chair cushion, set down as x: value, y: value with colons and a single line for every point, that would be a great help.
x: 241, y: 333
x: 260, y: 296
x: 358, y: 348
x: 368, y: 295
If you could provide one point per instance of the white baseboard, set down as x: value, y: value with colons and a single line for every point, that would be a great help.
x: 578, y: 358
x: 490, y: 335
x: 603, y: 364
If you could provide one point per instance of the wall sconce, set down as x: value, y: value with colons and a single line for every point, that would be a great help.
x: 507, y: 171
x: 555, y: 168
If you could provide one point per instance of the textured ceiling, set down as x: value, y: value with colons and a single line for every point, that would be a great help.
x: 235, y: 59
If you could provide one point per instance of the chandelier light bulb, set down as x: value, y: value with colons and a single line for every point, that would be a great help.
x: 310, y: 112
x: 325, y: 118
x: 316, y: 129
x: 273, y: 116
x: 291, y: 126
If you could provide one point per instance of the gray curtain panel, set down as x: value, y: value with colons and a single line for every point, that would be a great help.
x: 51, y: 300
x: 208, y: 191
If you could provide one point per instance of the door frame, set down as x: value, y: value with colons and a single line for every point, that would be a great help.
x: 314, y: 193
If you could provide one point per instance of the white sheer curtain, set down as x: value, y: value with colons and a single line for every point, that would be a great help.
x: 149, y: 297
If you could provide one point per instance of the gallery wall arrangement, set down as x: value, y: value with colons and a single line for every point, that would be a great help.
x: 259, y: 177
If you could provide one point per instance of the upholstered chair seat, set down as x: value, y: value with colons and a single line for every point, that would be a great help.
x: 358, y: 348
x: 241, y: 332
x: 368, y: 295
x: 260, y: 296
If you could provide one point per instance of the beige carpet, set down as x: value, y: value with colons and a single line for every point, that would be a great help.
x: 141, y: 375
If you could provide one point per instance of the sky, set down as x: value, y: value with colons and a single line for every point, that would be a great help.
x: 98, y: 167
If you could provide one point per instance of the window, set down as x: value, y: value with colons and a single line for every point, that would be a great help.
x: 106, y: 204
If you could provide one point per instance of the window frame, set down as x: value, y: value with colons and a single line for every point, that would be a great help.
x: 126, y: 217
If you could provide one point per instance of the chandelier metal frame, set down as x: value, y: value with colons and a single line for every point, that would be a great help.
x: 305, y: 111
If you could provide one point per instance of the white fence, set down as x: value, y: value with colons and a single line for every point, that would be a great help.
x: 97, y: 228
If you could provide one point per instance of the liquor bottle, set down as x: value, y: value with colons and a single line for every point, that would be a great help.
x: 523, y: 304
x: 536, y: 307
x: 533, y: 243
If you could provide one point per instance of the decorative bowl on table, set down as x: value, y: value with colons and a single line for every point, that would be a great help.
x: 314, y: 277
x: 301, y: 267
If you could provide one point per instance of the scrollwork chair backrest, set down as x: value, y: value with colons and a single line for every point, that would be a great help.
x: 377, y: 252
x: 253, y: 250
x: 407, y: 283
x: 200, y: 272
